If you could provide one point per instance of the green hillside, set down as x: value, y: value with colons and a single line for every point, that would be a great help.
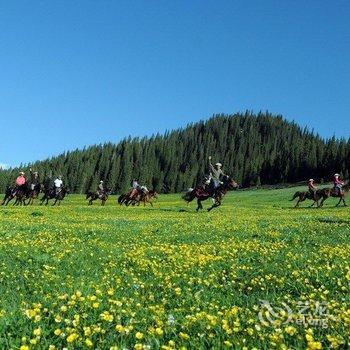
x: 254, y: 149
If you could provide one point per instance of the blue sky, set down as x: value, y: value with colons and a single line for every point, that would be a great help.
x: 75, y: 73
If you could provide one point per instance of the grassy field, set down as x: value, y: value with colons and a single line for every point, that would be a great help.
x: 167, y: 277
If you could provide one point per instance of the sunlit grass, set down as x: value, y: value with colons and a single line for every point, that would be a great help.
x: 79, y: 276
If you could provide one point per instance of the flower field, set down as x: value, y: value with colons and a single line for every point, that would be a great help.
x: 252, y: 274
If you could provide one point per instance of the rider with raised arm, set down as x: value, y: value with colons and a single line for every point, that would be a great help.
x: 34, y: 179
x: 216, y: 174
x: 338, y: 184
x: 312, y: 188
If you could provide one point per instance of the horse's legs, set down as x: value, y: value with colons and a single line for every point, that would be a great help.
x: 216, y: 203
x: 340, y: 200
x: 345, y: 205
x: 9, y: 200
x: 297, y: 205
x: 4, y: 200
x: 200, y: 206
x: 322, y: 201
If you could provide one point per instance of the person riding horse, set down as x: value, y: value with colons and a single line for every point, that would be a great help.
x: 312, y: 188
x: 216, y: 175
x: 101, y: 189
x: 135, y: 188
x: 338, y: 184
x: 20, y: 182
x: 34, y: 179
x: 58, y: 183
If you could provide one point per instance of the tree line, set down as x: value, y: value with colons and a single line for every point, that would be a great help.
x: 255, y: 149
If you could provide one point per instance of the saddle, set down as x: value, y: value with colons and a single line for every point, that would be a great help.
x: 336, y: 191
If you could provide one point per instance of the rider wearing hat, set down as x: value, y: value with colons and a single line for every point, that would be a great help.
x: 100, y: 188
x: 135, y: 188
x: 338, y: 184
x: 216, y: 174
x: 34, y: 179
x: 20, y: 182
x: 312, y: 187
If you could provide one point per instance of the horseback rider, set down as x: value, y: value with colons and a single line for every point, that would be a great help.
x: 20, y: 182
x: 58, y: 183
x: 101, y: 189
x: 216, y: 175
x: 34, y: 179
x: 312, y: 188
x: 338, y: 184
x: 135, y: 188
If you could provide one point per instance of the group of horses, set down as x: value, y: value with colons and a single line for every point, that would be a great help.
x: 26, y: 194
x: 126, y: 198
x: 321, y: 195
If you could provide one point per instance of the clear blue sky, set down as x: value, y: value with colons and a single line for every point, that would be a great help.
x: 75, y: 73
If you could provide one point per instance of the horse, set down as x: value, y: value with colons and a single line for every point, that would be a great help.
x: 34, y: 193
x: 92, y: 196
x: 141, y: 196
x: 203, y: 192
x: 21, y: 193
x: 303, y: 195
x: 331, y: 192
x: 123, y: 198
x: 9, y: 195
x: 145, y: 197
x: 50, y: 193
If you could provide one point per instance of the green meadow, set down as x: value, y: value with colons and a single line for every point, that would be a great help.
x: 254, y: 273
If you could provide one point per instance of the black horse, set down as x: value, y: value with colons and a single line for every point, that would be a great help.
x: 50, y: 193
x: 34, y: 192
x: 203, y: 192
x: 21, y: 193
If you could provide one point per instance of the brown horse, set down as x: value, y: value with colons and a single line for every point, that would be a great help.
x: 92, y: 196
x: 141, y: 196
x: 146, y: 197
x: 203, y: 192
x: 303, y: 195
x: 332, y: 192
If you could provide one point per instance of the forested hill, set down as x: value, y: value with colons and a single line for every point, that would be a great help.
x: 254, y: 149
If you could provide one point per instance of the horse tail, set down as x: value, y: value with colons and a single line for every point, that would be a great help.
x: 296, y: 194
x: 189, y: 195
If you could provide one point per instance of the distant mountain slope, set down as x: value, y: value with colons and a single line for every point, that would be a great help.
x: 254, y: 149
